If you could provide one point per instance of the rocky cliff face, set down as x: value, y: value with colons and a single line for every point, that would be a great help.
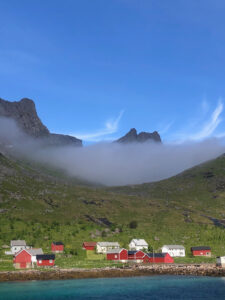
x: 25, y: 115
x: 133, y: 136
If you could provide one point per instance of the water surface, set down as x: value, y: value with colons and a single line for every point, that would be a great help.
x: 151, y: 287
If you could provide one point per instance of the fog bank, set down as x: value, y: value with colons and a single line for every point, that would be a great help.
x: 112, y: 163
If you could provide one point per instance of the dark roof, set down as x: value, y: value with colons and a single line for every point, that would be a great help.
x: 57, y: 243
x: 156, y: 254
x: 132, y: 252
x: 45, y: 256
x: 200, y: 248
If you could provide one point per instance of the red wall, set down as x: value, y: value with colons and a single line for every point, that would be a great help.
x: 200, y: 252
x: 123, y: 255
x: 113, y: 256
x: 23, y: 257
x: 57, y: 247
x: 139, y: 254
x: 89, y: 247
x: 45, y: 263
x: 166, y: 259
x: 118, y: 256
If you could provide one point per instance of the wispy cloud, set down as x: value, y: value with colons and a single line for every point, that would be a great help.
x: 111, y: 127
x: 202, y: 128
x: 212, y: 124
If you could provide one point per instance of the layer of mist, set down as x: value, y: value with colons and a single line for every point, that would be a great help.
x: 111, y: 163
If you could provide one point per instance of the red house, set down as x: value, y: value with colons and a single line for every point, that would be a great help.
x: 89, y: 245
x: 158, y: 258
x: 57, y: 247
x: 45, y: 260
x: 136, y: 255
x: 201, y: 251
x: 22, y: 259
x: 117, y: 254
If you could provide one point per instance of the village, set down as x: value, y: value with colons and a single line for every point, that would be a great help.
x: 138, y: 252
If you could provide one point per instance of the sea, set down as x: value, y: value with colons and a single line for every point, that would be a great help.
x: 142, y: 287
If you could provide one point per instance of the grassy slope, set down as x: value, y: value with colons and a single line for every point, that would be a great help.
x: 41, y: 206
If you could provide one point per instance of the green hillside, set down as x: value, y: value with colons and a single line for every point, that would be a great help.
x: 40, y: 205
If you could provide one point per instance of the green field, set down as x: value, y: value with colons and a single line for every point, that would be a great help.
x: 40, y: 205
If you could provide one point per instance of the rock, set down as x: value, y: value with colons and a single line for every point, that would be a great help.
x: 5, y: 247
x: 156, y: 238
x: 3, y: 210
x: 142, y: 137
x: 98, y: 233
x: 25, y: 115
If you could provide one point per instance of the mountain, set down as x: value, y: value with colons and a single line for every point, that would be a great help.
x: 40, y: 204
x: 132, y: 136
x: 25, y: 115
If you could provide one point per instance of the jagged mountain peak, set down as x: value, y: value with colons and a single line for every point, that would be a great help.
x: 133, y: 136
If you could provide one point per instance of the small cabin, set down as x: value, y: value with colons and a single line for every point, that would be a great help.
x: 117, y: 254
x: 138, y: 244
x: 22, y: 259
x: 201, y: 251
x: 174, y: 250
x: 45, y: 260
x: 57, y: 247
x: 158, y: 258
x: 89, y: 246
x: 220, y: 261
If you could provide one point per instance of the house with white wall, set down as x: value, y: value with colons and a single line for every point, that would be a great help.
x: 138, y: 244
x: 104, y: 247
x: 17, y: 245
x: 174, y: 250
x: 220, y: 261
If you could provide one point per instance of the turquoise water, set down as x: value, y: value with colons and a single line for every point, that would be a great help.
x: 152, y: 287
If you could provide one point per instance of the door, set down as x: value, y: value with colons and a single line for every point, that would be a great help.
x: 23, y: 265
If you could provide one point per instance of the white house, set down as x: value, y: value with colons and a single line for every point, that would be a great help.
x: 17, y: 245
x: 174, y: 250
x: 104, y: 247
x: 220, y: 261
x: 138, y: 244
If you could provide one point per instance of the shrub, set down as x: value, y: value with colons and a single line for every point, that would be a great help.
x: 133, y: 224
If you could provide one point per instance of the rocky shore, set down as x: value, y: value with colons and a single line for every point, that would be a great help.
x: 136, y: 270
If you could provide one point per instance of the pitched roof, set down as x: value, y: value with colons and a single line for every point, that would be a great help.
x: 157, y: 254
x: 200, y: 248
x: 89, y: 244
x: 35, y: 251
x: 115, y: 250
x: 45, y: 256
x: 132, y: 252
x: 174, y: 247
x: 58, y: 243
x: 17, y: 253
x: 17, y: 243
x: 139, y: 242
x: 108, y: 244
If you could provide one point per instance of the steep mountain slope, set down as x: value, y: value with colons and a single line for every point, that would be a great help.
x: 25, y: 115
x: 132, y: 136
x: 38, y: 205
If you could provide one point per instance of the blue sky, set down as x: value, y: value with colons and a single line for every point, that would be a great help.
x: 97, y: 68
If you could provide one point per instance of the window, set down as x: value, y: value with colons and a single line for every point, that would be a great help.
x: 51, y: 261
x: 116, y: 256
x: 40, y: 261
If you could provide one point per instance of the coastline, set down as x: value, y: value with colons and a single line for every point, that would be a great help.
x: 135, y: 270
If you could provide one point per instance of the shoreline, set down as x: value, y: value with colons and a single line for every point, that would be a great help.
x: 110, y: 272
